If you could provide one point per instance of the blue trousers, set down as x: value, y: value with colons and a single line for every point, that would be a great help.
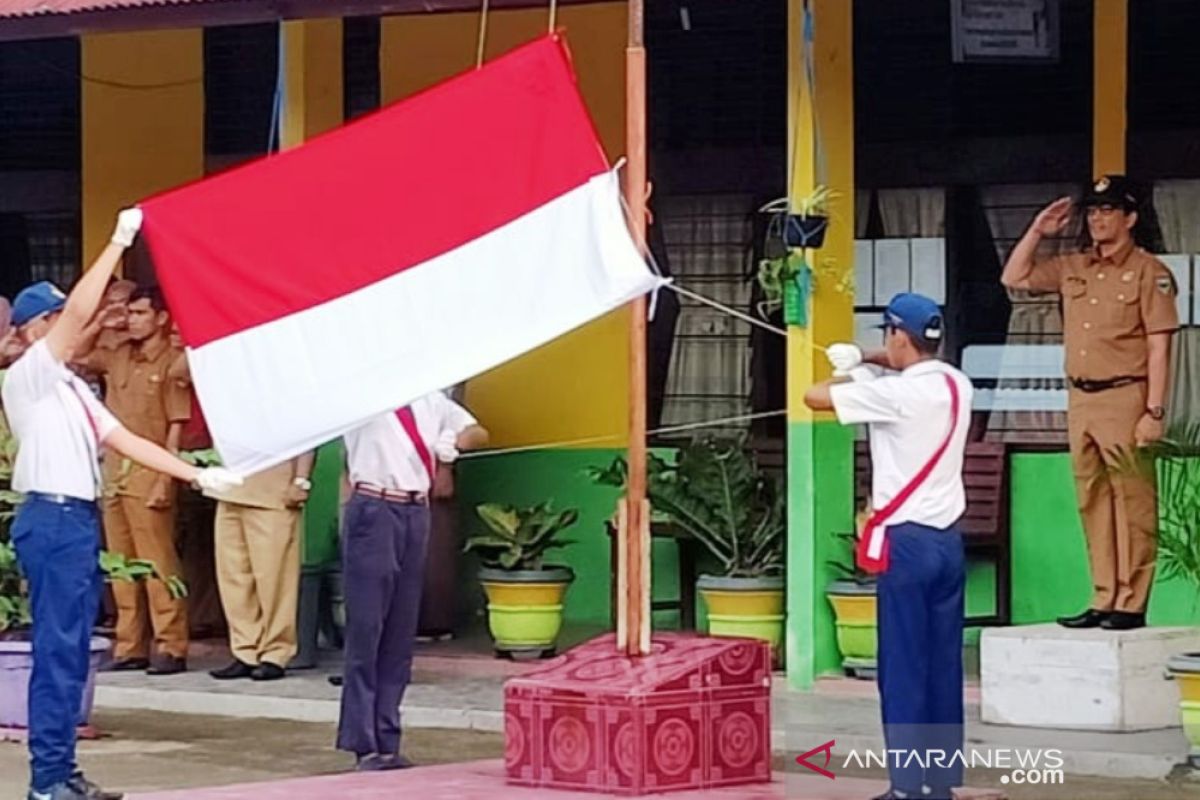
x: 920, y: 657
x: 58, y: 549
x: 383, y: 570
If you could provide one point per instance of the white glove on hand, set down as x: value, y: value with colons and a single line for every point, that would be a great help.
x: 129, y: 222
x: 446, y: 448
x: 218, y: 480
x: 844, y: 357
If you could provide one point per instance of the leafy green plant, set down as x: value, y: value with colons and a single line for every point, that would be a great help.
x: 819, y: 203
x: 1174, y: 462
x: 844, y: 564
x: 201, y: 458
x: 775, y: 273
x: 715, y: 492
x: 14, y: 594
x: 519, y: 538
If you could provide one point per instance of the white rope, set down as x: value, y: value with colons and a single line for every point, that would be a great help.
x: 733, y: 312
x: 611, y: 437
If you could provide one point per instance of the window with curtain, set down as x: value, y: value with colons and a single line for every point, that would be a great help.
x: 1177, y: 205
x: 706, y: 238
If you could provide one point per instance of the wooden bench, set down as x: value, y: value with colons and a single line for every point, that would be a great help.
x: 685, y: 604
x: 985, y: 526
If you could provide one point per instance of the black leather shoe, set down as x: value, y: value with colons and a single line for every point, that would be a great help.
x: 233, y: 671
x: 90, y: 790
x: 1088, y: 619
x: 129, y: 665
x: 335, y: 680
x: 395, y: 761
x: 166, y: 665
x: 1124, y: 621
x: 267, y: 671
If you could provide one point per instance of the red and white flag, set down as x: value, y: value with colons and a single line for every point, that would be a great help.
x: 401, y: 254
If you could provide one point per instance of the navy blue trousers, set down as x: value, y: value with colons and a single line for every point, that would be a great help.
x: 383, y: 569
x: 920, y: 657
x: 58, y: 549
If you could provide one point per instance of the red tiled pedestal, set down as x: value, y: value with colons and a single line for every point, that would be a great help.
x: 693, y: 714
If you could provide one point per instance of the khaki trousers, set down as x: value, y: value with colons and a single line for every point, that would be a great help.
x: 258, y: 574
x: 135, y: 531
x: 1120, y: 513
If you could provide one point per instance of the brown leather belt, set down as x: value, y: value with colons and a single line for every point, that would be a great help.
x: 1091, y: 387
x: 391, y: 495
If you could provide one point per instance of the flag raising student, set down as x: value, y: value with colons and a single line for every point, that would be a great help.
x: 917, y: 416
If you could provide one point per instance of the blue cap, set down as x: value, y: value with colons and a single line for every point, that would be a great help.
x: 41, y: 298
x: 915, y: 314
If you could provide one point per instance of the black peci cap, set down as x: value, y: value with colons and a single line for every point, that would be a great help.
x: 1111, y: 190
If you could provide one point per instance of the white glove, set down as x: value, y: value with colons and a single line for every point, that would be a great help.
x: 129, y: 222
x: 446, y: 448
x: 218, y: 480
x: 844, y: 357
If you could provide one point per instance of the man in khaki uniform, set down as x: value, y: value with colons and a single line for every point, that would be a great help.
x: 258, y: 568
x: 1118, y: 317
x: 139, y: 504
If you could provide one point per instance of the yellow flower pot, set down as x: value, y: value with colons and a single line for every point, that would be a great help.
x: 525, y: 607
x: 856, y: 621
x: 745, y: 607
x: 1185, y: 669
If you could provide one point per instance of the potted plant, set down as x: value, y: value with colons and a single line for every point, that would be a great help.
x: 1175, y: 462
x: 802, y: 222
x: 525, y: 594
x: 852, y: 596
x: 715, y: 492
x: 786, y: 281
x: 16, y: 649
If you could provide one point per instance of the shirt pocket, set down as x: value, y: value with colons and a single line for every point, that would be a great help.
x: 1074, y: 289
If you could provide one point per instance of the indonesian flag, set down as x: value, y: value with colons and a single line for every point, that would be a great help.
x: 404, y: 253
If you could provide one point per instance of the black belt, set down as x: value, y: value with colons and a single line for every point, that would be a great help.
x: 1091, y: 387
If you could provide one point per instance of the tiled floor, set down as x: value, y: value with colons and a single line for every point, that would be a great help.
x: 484, y: 780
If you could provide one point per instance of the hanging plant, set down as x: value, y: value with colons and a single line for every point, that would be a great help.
x: 786, y: 281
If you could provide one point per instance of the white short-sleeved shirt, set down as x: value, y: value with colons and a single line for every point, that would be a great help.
x: 381, y: 454
x: 908, y: 414
x: 48, y: 409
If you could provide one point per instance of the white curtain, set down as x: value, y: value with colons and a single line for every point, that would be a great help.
x: 1035, y: 319
x: 909, y: 213
x: 1177, y: 204
x: 706, y: 237
x: 862, y: 212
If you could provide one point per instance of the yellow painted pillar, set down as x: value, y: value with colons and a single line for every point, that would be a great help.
x: 1110, y: 75
x: 578, y: 385
x: 820, y: 452
x: 142, y: 122
x: 311, y: 54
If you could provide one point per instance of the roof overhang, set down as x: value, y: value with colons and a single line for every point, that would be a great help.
x: 44, y: 19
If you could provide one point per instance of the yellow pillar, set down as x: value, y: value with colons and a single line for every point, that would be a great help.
x: 1110, y: 59
x: 578, y: 385
x: 142, y: 122
x: 820, y: 457
x: 311, y: 51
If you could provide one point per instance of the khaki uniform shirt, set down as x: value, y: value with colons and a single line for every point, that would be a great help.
x: 266, y: 489
x: 139, y: 394
x: 1110, y: 306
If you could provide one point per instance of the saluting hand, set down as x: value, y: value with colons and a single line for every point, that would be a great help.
x: 1053, y: 219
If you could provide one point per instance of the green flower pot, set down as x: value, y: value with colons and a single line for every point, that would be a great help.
x: 750, y: 608
x: 525, y: 607
x: 855, y: 611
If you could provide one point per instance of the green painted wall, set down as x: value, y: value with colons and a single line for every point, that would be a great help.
x: 559, y: 475
x: 1050, y: 568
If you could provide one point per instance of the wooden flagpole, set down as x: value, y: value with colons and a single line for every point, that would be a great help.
x: 633, y: 612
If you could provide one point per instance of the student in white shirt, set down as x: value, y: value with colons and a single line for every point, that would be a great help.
x: 60, y: 429
x: 391, y: 461
x: 917, y: 415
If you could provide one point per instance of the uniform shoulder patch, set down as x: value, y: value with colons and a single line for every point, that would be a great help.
x: 1165, y: 284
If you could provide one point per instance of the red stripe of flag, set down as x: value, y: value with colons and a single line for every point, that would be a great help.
x: 341, y: 213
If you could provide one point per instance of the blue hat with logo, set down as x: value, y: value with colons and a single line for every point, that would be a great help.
x: 916, y: 315
x: 34, y: 301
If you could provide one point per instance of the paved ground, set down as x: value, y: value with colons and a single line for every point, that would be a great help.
x: 146, y: 751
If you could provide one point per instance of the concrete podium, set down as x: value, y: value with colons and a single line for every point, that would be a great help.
x: 1046, y: 676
